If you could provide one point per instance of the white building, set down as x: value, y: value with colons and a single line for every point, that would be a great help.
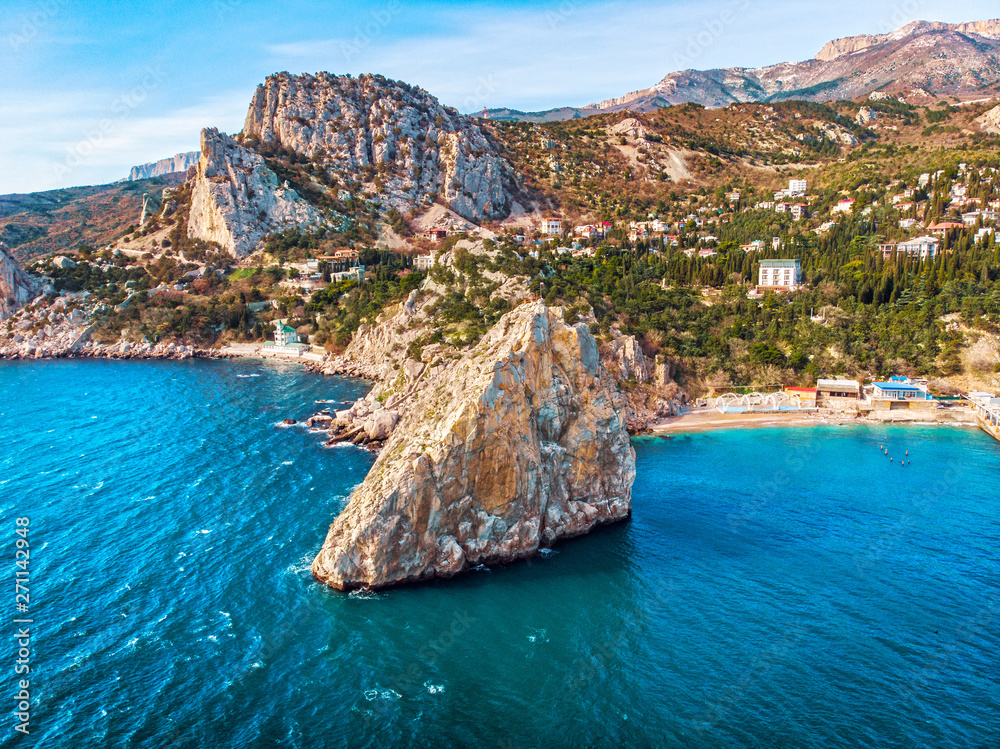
x: 925, y: 248
x: 780, y: 274
x: 797, y: 187
x: 552, y: 227
x: 423, y: 262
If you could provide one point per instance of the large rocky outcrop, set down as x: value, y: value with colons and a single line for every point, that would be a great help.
x: 236, y: 199
x: 16, y: 287
x: 508, y: 448
x: 417, y: 149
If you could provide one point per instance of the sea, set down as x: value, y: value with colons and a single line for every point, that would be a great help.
x: 814, y: 587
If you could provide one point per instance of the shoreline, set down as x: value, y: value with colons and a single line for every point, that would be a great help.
x: 711, y: 420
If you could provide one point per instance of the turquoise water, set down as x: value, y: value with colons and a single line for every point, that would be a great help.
x: 775, y: 588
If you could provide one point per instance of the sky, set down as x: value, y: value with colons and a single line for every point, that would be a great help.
x: 92, y: 88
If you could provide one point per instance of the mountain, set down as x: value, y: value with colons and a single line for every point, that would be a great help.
x: 396, y: 135
x: 312, y: 143
x: 60, y: 220
x: 921, y: 61
x: 179, y: 163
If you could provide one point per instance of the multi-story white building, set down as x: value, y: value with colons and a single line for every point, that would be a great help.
x: 780, y: 274
x: 797, y: 187
x: 552, y: 227
x: 925, y: 248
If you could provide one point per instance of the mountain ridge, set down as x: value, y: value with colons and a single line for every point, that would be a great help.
x: 920, y: 62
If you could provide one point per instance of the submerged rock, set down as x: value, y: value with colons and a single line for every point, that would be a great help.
x: 515, y: 445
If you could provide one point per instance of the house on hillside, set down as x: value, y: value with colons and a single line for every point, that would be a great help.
x: 924, y: 248
x: 780, y: 275
x: 844, y: 206
x: 423, y: 262
x: 552, y: 227
x: 944, y: 227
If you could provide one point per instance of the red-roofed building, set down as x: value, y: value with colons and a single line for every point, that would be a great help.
x: 944, y: 227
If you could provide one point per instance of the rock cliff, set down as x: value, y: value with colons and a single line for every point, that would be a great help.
x: 236, y: 199
x: 174, y: 165
x: 417, y: 149
x: 16, y: 286
x: 508, y: 448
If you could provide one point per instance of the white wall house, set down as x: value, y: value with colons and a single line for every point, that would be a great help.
x: 552, y: 227
x: 925, y: 248
x: 780, y: 274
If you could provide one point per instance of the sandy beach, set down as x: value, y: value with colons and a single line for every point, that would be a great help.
x: 704, y: 420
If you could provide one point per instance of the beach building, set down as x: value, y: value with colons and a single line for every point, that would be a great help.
x: 806, y: 396
x: 783, y: 275
x: 898, y: 389
x: 286, y: 341
x: 837, y: 393
x: 285, y: 335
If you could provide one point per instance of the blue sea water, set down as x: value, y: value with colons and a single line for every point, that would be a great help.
x: 774, y: 588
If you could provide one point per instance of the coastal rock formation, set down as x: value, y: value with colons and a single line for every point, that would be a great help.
x: 16, y: 287
x: 416, y: 149
x: 174, y: 165
x: 514, y: 445
x: 236, y: 199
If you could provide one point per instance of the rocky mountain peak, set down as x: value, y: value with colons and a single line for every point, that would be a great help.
x: 395, y: 138
x: 850, y: 44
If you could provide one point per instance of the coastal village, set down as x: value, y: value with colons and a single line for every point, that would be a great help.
x: 851, y: 237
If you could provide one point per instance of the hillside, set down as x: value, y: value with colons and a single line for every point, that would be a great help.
x: 921, y: 62
x: 60, y: 220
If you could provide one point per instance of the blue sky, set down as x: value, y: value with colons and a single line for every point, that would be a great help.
x: 90, y: 89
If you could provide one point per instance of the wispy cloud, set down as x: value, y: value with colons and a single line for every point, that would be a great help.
x: 83, y: 144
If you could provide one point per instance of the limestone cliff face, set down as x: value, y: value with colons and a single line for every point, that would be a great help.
x: 179, y: 163
x: 518, y: 443
x: 418, y: 149
x: 236, y: 199
x: 16, y: 287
